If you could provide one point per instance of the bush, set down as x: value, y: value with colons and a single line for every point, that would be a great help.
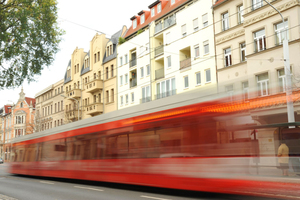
x: 121, y: 40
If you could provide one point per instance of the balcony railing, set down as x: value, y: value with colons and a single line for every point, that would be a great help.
x: 165, y: 94
x: 167, y: 23
x: 160, y: 73
x: 159, y: 50
x: 94, y: 85
x: 132, y: 63
x: 94, y: 108
x: 144, y: 100
x: 185, y: 63
x: 133, y: 82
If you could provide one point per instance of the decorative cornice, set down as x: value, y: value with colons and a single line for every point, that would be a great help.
x: 271, y: 12
x: 231, y: 36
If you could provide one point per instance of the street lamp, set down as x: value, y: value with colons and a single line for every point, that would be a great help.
x: 286, y: 58
x: 75, y: 100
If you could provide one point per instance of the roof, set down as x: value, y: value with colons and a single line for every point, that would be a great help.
x: 114, y: 39
x: 67, y: 79
x: 6, y: 109
x: 218, y: 2
x: 29, y: 100
x: 166, y: 8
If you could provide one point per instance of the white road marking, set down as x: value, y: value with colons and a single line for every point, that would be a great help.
x: 47, y: 182
x: 148, y: 197
x: 89, y: 188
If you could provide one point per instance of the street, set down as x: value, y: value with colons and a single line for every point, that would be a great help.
x: 14, y: 187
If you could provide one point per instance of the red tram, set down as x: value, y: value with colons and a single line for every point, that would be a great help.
x: 182, y: 145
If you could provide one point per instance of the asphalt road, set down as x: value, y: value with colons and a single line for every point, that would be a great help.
x: 14, y: 187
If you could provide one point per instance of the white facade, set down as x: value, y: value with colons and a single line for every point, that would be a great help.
x: 133, y: 58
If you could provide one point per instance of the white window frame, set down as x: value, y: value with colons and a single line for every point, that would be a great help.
x: 126, y: 79
x: 163, y: 88
x: 245, y: 90
x: 132, y: 97
x: 240, y: 9
x: 196, y: 24
x: 205, y: 20
x: 257, y: 4
x: 243, y: 51
x: 134, y: 23
x: 198, y: 78
x: 142, y: 18
x: 169, y: 61
x: 279, y: 32
x: 260, y: 40
x: 225, y: 21
x: 206, y: 47
x: 206, y: 76
x: 229, y: 91
x: 263, y: 85
x: 159, y: 8
x: 186, y: 82
x: 122, y: 100
x: 142, y: 72
x: 146, y: 94
x: 148, y: 70
x: 227, y: 57
x: 152, y: 11
x: 183, y: 30
x: 126, y: 99
x: 121, y: 61
x: 121, y: 80
x: 197, y: 51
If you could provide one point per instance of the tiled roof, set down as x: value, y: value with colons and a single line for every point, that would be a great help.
x: 166, y: 8
x: 29, y: 100
x: 218, y: 2
x: 6, y: 108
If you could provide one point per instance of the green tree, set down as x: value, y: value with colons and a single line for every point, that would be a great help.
x: 29, y: 39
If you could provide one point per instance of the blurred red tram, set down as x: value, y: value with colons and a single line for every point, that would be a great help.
x: 180, y: 144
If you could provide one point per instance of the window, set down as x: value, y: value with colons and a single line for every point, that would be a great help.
x: 282, y: 79
x: 121, y: 80
x: 205, y: 20
x: 245, y: 90
x: 196, y: 51
x: 240, y: 14
x: 243, y: 51
x: 195, y: 24
x: 21, y: 105
x: 186, y: 82
x: 106, y: 72
x: 172, y: 2
x: 257, y: 4
x: 95, y: 59
x: 280, y: 32
x: 134, y: 24
x: 229, y: 91
x: 142, y: 72
x: 152, y: 12
x: 111, y: 51
x: 99, y: 56
x: 225, y: 21
x: 107, y: 96
x: 169, y: 61
x: 126, y: 59
x: 112, y: 70
x: 262, y: 84
x: 227, y: 57
x: 126, y: 98
x: 159, y: 8
x: 166, y: 88
x: 148, y: 70
x: 259, y: 40
x: 126, y: 78
x: 142, y: 18
x: 198, y: 78
x: 112, y: 93
x: 206, y: 47
x: 147, y: 47
x: 208, y: 78
x: 183, y: 30
x: 132, y: 97
x: 146, y: 94
x: 122, y: 101
x: 121, y: 61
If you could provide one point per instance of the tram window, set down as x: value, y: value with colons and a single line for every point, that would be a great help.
x: 30, y: 151
x: 53, y: 150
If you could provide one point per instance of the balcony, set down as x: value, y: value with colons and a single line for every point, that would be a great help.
x: 185, y: 63
x: 145, y: 100
x: 167, y: 23
x: 75, y: 93
x: 165, y: 94
x: 71, y: 114
x: 160, y: 73
x: 94, y: 86
x: 159, y: 50
x: 133, y: 82
x: 132, y: 63
x: 94, y: 109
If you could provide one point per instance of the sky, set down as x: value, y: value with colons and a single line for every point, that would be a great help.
x: 97, y: 15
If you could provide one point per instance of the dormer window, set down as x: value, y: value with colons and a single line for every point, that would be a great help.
x: 172, y: 2
x: 152, y: 12
x: 134, y: 23
x: 142, y: 18
x: 159, y: 8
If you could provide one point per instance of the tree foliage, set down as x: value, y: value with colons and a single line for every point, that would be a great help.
x: 29, y: 38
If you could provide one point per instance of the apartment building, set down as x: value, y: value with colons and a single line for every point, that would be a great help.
x: 49, y: 107
x: 168, y: 50
x: 250, y: 60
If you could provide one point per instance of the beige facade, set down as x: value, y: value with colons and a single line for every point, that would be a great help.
x: 49, y: 107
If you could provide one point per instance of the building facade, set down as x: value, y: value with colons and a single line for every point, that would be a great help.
x: 49, y: 107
